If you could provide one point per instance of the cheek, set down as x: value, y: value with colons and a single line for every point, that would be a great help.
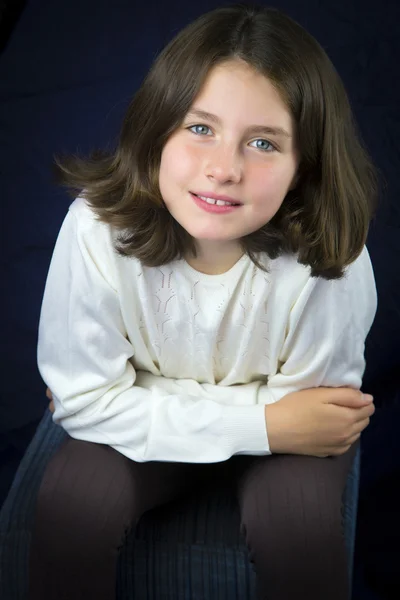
x: 271, y: 181
x: 178, y: 162
x: 190, y: 160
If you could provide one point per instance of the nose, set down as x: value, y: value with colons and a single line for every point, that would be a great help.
x: 224, y: 165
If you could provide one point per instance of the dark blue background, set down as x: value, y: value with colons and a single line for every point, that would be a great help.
x: 67, y: 72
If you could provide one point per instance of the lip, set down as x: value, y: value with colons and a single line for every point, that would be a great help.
x: 213, y: 208
x: 217, y: 197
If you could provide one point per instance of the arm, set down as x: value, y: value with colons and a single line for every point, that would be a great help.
x: 327, y: 326
x: 318, y: 421
x: 324, y: 350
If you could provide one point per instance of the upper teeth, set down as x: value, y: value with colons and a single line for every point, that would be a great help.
x: 217, y: 202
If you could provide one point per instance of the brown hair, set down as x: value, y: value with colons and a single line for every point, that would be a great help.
x: 325, y: 219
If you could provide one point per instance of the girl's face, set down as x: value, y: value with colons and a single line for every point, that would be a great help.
x: 238, y: 142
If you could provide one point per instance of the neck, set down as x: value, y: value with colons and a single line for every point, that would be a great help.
x: 214, y: 258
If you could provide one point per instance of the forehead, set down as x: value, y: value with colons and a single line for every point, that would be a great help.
x: 235, y: 90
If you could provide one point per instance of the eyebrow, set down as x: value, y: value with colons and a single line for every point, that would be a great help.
x: 260, y: 129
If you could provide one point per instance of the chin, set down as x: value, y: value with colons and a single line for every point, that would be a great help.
x: 207, y: 237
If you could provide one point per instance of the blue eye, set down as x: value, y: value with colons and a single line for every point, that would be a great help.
x: 199, y: 129
x: 265, y: 145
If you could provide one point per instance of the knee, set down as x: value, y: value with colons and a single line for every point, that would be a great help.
x: 296, y: 530
x: 292, y: 514
x: 85, y: 499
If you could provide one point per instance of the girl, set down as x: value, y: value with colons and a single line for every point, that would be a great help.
x: 208, y: 295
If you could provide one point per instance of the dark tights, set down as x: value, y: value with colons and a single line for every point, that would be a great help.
x: 91, y: 495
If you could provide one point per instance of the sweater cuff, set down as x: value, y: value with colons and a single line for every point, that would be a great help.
x: 245, y: 430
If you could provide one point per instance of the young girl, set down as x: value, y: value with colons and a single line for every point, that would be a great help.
x: 209, y: 296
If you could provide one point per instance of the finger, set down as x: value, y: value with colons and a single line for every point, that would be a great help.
x: 365, y: 399
x: 350, y: 398
x: 364, y: 413
x: 51, y: 407
x: 339, y: 450
x: 361, y: 425
x: 352, y: 440
x: 49, y: 394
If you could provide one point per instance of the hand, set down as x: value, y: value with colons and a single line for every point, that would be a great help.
x: 318, y: 421
x: 50, y: 397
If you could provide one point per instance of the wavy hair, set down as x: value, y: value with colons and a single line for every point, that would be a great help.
x: 324, y: 220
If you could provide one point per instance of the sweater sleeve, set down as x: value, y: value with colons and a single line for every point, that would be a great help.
x: 325, y: 340
x: 84, y: 357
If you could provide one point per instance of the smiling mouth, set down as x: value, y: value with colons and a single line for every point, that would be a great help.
x: 214, y: 202
x: 214, y: 206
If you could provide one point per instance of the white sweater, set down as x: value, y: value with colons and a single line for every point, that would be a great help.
x: 170, y: 364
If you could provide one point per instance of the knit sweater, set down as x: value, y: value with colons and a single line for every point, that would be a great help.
x: 170, y: 364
